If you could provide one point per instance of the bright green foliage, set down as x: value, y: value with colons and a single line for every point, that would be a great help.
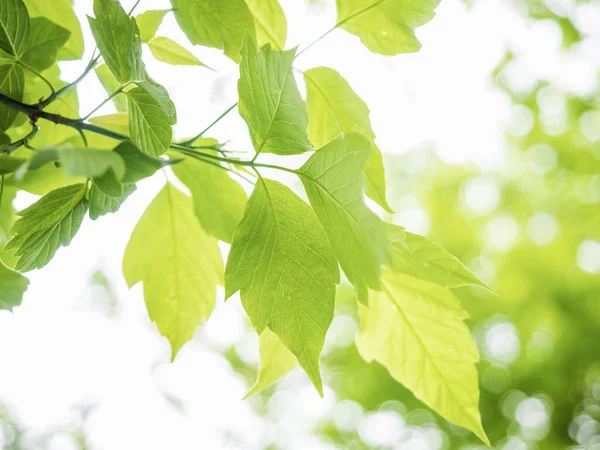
x: 275, y: 361
x: 332, y: 179
x: 415, y: 329
x: 14, y: 27
x: 270, y: 102
x: 12, y: 82
x: 333, y: 108
x: 110, y: 84
x: 46, y: 39
x: 178, y: 264
x: 46, y: 225
x: 170, y: 52
x: 148, y: 23
x: 281, y: 262
x: 61, y: 13
x: 117, y: 37
x: 215, y: 23
x: 270, y: 22
x: 101, y: 204
x: 149, y: 121
x: 212, y: 188
x: 138, y: 165
x: 9, y: 164
x: 118, y: 122
x: 386, y: 26
x: 12, y: 287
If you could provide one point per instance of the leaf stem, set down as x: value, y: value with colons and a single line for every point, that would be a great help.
x: 38, y: 74
x: 189, y: 142
x: 105, y: 101
x: 21, y: 142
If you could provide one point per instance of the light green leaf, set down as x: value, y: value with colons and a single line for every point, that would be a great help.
x: 86, y: 162
x: 281, y: 262
x: 270, y: 102
x: 333, y: 182
x: 149, y: 122
x: 385, y: 26
x: 218, y: 200
x: 420, y: 258
x: 110, y: 85
x: 43, y: 180
x: 118, y: 122
x: 275, y: 362
x: 178, y: 263
x: 60, y: 12
x: 270, y: 22
x: 101, y: 204
x: 117, y: 37
x: 148, y: 23
x: 138, y: 165
x: 215, y: 23
x: 46, y: 39
x: 46, y: 225
x: 14, y: 27
x: 415, y: 329
x: 333, y: 108
x: 9, y: 164
x: 170, y: 52
x: 12, y: 287
x: 12, y: 84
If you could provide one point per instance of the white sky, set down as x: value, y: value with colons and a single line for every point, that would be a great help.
x: 59, y: 352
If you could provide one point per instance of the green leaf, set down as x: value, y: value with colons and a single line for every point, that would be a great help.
x: 270, y: 102
x: 101, y: 204
x: 117, y: 37
x: 60, y: 12
x: 12, y: 287
x: 420, y: 258
x: 275, y: 362
x: 118, y: 122
x: 138, y: 165
x: 178, y: 263
x: 86, y: 162
x: 333, y: 182
x: 218, y: 200
x: 150, y: 120
x: 110, y: 85
x: 270, y: 22
x: 334, y: 108
x: 43, y: 180
x: 14, y: 27
x: 12, y: 84
x: 46, y: 225
x: 9, y: 164
x: 281, y: 262
x: 46, y: 39
x: 386, y: 27
x: 415, y: 329
x: 170, y: 52
x: 148, y: 23
x: 215, y: 23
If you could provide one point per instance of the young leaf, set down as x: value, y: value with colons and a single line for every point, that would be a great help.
x: 117, y: 37
x: 46, y: 39
x: 170, y: 52
x: 270, y: 102
x: 218, y: 200
x: 60, y: 12
x: 270, y: 22
x: 178, y: 263
x: 14, y: 27
x: 101, y: 204
x: 12, y: 287
x: 12, y: 84
x: 333, y: 182
x: 148, y: 23
x: 386, y: 26
x: 333, y: 108
x: 215, y: 23
x: 420, y: 258
x: 415, y: 329
x: 275, y: 362
x: 110, y: 84
x: 138, y: 165
x: 149, y: 122
x: 46, y: 225
x: 281, y: 262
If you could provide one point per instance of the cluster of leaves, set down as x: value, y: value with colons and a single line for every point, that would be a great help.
x: 285, y: 253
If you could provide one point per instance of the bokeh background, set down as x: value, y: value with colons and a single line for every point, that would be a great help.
x: 491, y: 136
